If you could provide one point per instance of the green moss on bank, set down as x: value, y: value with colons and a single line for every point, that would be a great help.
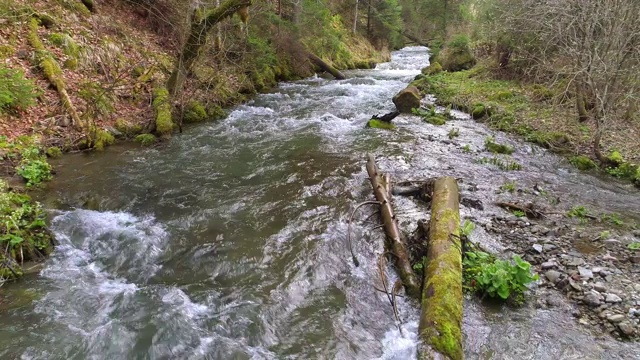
x: 379, y: 124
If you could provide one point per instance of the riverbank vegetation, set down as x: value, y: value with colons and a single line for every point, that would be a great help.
x: 565, y: 76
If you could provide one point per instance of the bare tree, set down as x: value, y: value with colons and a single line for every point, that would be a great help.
x: 592, y: 45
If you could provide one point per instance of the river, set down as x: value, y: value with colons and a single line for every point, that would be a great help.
x: 228, y: 242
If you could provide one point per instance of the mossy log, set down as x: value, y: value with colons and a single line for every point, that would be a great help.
x: 326, y: 67
x: 441, y: 314
x: 395, y: 238
x: 201, y: 24
x: 53, y: 73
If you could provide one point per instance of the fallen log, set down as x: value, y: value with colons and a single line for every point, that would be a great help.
x: 386, y: 117
x: 415, y: 39
x: 395, y: 237
x: 441, y: 313
x: 326, y: 67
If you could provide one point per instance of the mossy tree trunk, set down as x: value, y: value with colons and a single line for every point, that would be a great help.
x: 382, y: 190
x: 201, y: 25
x: 441, y: 314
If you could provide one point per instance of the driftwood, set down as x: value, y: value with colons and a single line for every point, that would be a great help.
x: 441, y: 313
x: 395, y: 237
x: 326, y: 67
x: 527, y: 209
x: 386, y: 117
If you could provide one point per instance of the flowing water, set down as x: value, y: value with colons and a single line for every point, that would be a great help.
x: 229, y: 242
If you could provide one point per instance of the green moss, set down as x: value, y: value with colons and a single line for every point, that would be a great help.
x: 583, y: 162
x: 71, y: 64
x: 215, y: 112
x: 146, y: 139
x: 437, y: 119
x: 615, y: 157
x: 162, y: 107
x: 103, y: 139
x: 479, y: 111
x: 379, y: 124
x: 194, y: 112
x: 54, y: 152
x: 57, y: 39
x: 432, y: 69
x: 496, y: 148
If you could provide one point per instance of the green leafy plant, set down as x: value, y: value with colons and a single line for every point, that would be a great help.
x: 506, y: 165
x: 497, y: 278
x: 634, y: 245
x: 604, y: 235
x: 466, y: 149
x: 519, y: 213
x: 613, y: 218
x: 455, y: 132
x: 34, y: 171
x: 578, y: 212
x: 417, y: 267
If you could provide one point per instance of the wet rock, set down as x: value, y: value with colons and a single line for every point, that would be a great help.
x: 599, y: 287
x: 472, y: 203
x: 612, y: 298
x: 549, y: 247
x: 538, y: 248
x: 635, y: 259
x: 552, y: 276
x: 576, y: 261
x: 539, y: 229
x: 548, y: 265
x: 575, y: 285
x: 626, y: 328
x: 615, y: 318
x: 585, y: 273
x: 592, y: 298
x: 554, y: 300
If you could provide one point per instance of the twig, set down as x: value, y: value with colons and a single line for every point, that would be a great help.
x: 353, y: 256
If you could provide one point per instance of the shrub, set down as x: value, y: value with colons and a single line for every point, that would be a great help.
x: 16, y: 92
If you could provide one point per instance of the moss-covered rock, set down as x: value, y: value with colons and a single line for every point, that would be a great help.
x: 379, y: 124
x: 457, y: 55
x: 194, y: 112
x: 126, y: 128
x: 54, y: 152
x: 215, y: 112
x: 146, y: 139
x: 432, y: 69
x: 103, y: 139
x: 615, y: 158
x: 407, y: 99
x: 436, y: 119
x: 583, y: 162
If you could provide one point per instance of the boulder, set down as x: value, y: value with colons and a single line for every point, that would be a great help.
x: 407, y: 99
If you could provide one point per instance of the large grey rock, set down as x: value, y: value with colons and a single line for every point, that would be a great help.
x: 585, y: 273
x: 613, y: 298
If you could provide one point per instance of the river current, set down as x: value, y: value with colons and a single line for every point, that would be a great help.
x: 228, y: 242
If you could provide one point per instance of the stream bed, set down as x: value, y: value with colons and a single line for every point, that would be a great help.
x: 228, y: 242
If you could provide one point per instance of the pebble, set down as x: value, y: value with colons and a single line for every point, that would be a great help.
x: 599, y: 287
x: 538, y: 248
x: 612, y: 298
x: 636, y: 287
x: 576, y: 262
x: 592, y: 298
x: 626, y: 328
x: 585, y: 273
x: 548, y: 247
x: 615, y: 318
x: 635, y: 259
x: 548, y: 265
x: 552, y: 276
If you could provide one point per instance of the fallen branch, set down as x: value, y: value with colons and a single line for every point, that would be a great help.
x: 386, y: 117
x: 353, y: 255
x: 527, y: 209
x: 395, y: 238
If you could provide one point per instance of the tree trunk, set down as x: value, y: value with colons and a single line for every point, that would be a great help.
x: 441, y: 317
x: 326, y: 67
x: 197, y: 37
x: 217, y: 46
x: 355, y: 18
x: 395, y: 238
